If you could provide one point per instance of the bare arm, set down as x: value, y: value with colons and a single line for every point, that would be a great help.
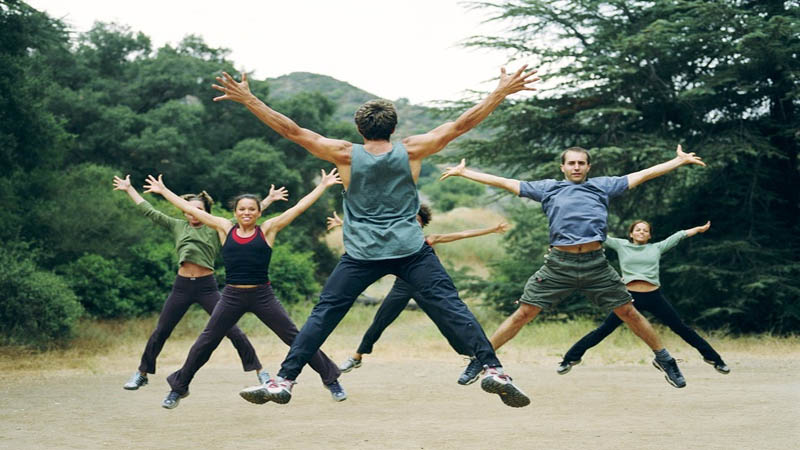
x: 271, y: 227
x: 125, y: 185
x: 460, y: 170
x: 434, y: 239
x: 424, y: 145
x: 334, y: 221
x: 157, y: 186
x: 274, y: 195
x: 656, y: 171
x: 332, y: 150
x: 701, y: 229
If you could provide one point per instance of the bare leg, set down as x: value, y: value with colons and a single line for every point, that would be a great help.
x: 639, y: 325
x: 511, y: 326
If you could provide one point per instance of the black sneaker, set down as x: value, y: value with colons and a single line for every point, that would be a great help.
x: 496, y: 382
x: 671, y: 372
x: 337, y: 391
x: 565, y: 366
x: 172, y: 399
x: 137, y: 380
x: 471, y: 373
x: 720, y: 366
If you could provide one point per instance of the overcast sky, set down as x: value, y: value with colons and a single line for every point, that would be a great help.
x: 392, y: 48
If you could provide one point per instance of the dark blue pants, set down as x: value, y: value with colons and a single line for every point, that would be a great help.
x: 661, y: 309
x: 393, y: 304
x: 423, y: 271
x: 185, y: 292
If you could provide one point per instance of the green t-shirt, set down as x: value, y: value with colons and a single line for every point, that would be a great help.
x: 640, y: 262
x: 197, y: 245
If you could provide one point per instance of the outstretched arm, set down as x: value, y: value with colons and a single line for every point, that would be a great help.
x: 334, y: 221
x: 333, y: 150
x: 492, y: 180
x: 434, y: 239
x: 701, y: 229
x: 274, y: 195
x: 423, y: 145
x: 656, y: 171
x: 157, y: 186
x: 271, y: 227
x: 121, y: 184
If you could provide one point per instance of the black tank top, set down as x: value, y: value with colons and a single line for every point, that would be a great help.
x: 246, y: 259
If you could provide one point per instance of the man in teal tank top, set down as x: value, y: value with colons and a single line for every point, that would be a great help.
x: 381, y: 234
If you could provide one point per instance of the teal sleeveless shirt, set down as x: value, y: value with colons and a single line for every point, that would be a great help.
x: 381, y: 205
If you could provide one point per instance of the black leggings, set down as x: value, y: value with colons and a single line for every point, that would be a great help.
x: 235, y: 302
x: 185, y: 292
x: 656, y: 304
x: 393, y: 304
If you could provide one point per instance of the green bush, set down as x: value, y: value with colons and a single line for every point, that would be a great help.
x: 100, y: 286
x: 292, y: 274
x: 38, y: 307
x: 452, y: 193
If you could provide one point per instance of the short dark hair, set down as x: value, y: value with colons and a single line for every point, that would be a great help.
x: 202, y: 197
x: 637, y: 222
x: 579, y: 150
x: 425, y: 215
x: 238, y: 198
x: 376, y: 119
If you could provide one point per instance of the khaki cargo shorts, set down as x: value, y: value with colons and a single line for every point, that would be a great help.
x: 564, y: 273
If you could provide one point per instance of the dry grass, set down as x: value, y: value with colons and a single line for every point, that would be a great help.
x: 113, y: 346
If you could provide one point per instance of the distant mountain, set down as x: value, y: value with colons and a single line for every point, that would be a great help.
x: 413, y: 119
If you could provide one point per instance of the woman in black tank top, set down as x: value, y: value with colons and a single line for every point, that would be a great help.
x: 246, y: 252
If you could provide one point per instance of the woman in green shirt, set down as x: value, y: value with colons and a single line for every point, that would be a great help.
x: 197, y: 246
x: 639, y: 263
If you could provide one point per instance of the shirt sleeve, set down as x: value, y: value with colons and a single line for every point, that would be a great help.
x: 535, y: 189
x: 615, y: 243
x: 671, y: 241
x: 157, y: 216
x: 612, y: 186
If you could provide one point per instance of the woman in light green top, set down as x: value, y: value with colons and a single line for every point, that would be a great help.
x: 639, y: 262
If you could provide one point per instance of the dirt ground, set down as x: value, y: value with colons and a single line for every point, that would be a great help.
x: 400, y: 401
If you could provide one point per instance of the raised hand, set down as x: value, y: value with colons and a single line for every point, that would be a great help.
x: 518, y: 81
x: 231, y: 89
x: 334, y: 221
x: 154, y: 185
x: 454, y: 171
x: 502, y: 227
x: 331, y: 178
x: 704, y: 228
x: 688, y: 158
x: 122, y: 184
x: 277, y: 194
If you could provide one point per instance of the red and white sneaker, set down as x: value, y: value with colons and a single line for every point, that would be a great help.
x: 495, y: 381
x: 279, y: 390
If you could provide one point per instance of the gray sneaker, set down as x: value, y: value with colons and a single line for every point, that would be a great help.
x: 137, y: 380
x: 256, y: 394
x: 263, y: 377
x: 350, y: 364
x: 565, y: 366
x: 471, y: 373
x: 671, y: 372
x: 337, y: 391
x: 172, y: 399
x: 496, y: 382
x: 719, y: 366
